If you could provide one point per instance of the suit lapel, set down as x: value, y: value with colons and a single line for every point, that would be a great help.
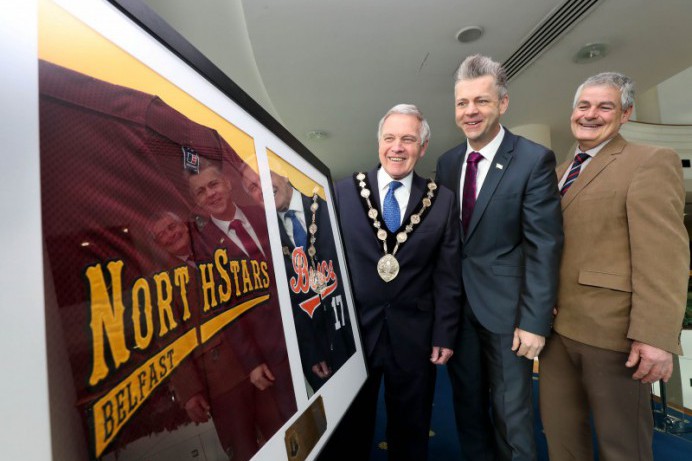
x: 454, y: 179
x: 502, y: 158
x: 417, y: 190
x: 219, y: 238
x: 562, y: 168
x: 375, y: 192
x: 307, y: 202
x: 457, y: 171
x: 307, y: 214
x: 285, y: 239
x: 593, y: 169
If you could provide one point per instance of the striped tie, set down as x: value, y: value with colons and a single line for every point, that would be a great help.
x: 574, y: 171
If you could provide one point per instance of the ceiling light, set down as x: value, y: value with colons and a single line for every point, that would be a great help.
x: 469, y: 34
x: 590, y: 52
x: 317, y: 135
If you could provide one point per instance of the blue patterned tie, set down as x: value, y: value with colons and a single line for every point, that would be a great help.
x: 300, y: 238
x: 390, y: 208
x: 574, y: 171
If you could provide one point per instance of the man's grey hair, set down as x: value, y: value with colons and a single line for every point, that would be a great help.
x: 620, y: 82
x: 477, y: 66
x: 158, y: 216
x: 408, y: 109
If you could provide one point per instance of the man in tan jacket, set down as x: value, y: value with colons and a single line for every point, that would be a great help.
x: 623, y: 282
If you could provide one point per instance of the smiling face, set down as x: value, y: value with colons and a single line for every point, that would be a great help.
x: 212, y: 192
x: 478, y: 108
x: 171, y: 235
x: 597, y: 115
x: 399, y: 146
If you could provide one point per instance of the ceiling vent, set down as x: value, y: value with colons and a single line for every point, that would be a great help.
x: 552, y: 28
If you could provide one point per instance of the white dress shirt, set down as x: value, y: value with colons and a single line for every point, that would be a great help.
x: 224, y: 226
x: 488, y: 153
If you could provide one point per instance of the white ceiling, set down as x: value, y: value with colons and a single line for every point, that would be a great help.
x: 338, y: 66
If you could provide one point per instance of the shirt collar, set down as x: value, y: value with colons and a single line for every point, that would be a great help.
x: 238, y: 215
x: 592, y: 152
x: 489, y: 150
x: 383, y: 180
x: 296, y: 203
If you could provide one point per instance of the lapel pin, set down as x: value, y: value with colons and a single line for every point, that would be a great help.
x: 498, y: 166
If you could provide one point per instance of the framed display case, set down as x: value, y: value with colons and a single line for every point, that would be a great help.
x: 196, y: 300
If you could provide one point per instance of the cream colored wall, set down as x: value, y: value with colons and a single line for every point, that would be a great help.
x: 536, y: 132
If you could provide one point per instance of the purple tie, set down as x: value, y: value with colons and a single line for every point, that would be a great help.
x: 469, y: 198
x: 574, y: 171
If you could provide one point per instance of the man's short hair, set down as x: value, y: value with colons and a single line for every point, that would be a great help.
x: 477, y: 66
x: 158, y: 216
x: 620, y: 82
x: 408, y: 109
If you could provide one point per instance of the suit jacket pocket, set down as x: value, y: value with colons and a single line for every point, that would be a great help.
x: 605, y: 280
x: 508, y: 271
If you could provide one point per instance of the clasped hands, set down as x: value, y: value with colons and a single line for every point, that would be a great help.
x: 440, y: 355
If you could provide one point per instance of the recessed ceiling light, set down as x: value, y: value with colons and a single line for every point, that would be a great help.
x: 590, y: 52
x: 317, y: 135
x: 469, y: 34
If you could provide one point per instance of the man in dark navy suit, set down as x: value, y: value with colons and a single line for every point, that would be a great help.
x: 509, y: 208
x: 401, y: 235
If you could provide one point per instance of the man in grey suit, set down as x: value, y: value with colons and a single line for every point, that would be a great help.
x: 509, y: 207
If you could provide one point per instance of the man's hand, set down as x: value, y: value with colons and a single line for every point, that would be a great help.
x: 527, y: 344
x: 654, y: 363
x: 321, y: 369
x: 440, y: 355
x: 262, y: 377
x: 197, y: 408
